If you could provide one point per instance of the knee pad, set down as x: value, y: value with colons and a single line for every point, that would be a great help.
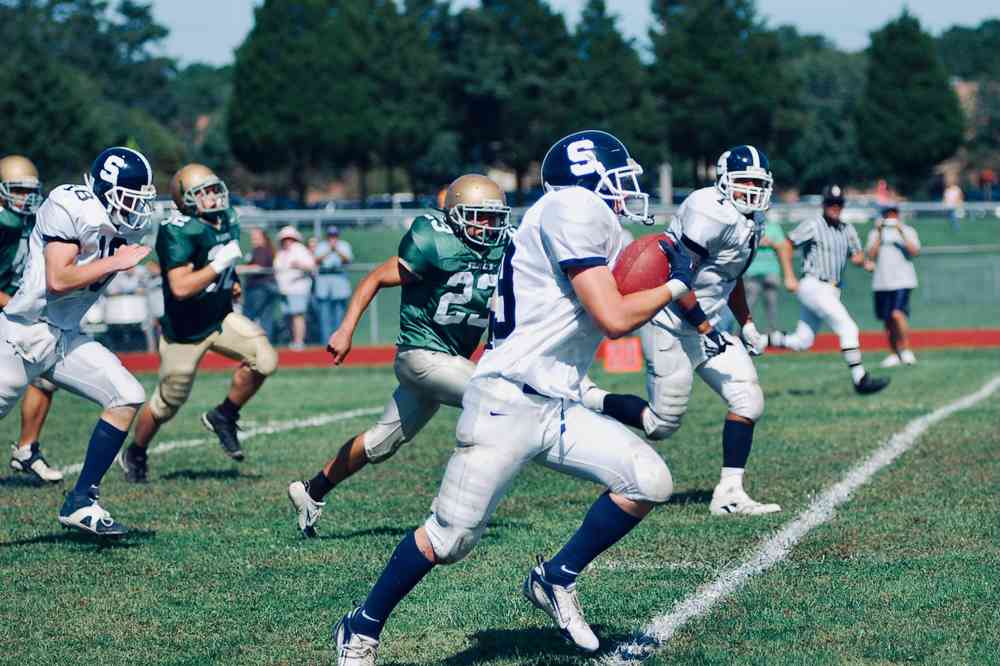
x: 653, y: 482
x: 669, y: 402
x: 382, y: 441
x: 265, y: 361
x: 451, y: 543
x: 170, y: 394
x: 746, y: 399
x: 128, y: 391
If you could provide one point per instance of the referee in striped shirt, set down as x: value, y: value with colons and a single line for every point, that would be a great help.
x: 827, y: 243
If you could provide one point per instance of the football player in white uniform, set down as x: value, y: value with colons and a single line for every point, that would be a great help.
x: 722, y: 227
x: 83, y: 235
x: 556, y: 299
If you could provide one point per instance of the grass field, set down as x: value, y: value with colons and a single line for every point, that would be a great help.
x: 215, y: 571
x: 957, y: 290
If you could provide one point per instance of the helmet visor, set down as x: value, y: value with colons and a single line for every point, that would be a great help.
x: 131, y: 208
x: 212, y: 196
x: 21, y: 197
x: 485, y: 224
x: 749, y: 191
x: 621, y: 185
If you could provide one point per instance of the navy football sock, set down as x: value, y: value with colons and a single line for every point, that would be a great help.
x: 229, y: 409
x: 405, y: 569
x: 105, y: 442
x: 318, y: 486
x: 625, y: 408
x: 737, y: 438
x: 604, y: 525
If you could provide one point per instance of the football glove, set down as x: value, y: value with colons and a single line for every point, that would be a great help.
x: 755, y: 341
x: 681, y: 265
x: 227, y: 255
x: 714, y: 343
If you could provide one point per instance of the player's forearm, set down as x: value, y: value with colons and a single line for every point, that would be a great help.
x: 634, y: 310
x: 738, y: 303
x: 385, y: 275
x: 785, y: 252
x: 70, y: 277
x: 185, y: 285
x: 4, y: 299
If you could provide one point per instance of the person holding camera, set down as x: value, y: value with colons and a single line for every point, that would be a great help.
x: 892, y: 245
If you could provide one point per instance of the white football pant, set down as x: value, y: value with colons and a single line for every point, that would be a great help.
x: 68, y: 359
x: 427, y: 380
x: 820, y: 303
x: 502, y: 428
x: 671, y: 360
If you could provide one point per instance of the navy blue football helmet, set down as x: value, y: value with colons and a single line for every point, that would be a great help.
x: 743, y: 175
x: 122, y: 181
x: 599, y: 162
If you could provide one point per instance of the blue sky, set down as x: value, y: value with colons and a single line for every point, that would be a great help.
x: 209, y: 31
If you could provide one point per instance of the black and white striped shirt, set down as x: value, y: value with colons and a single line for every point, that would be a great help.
x: 826, y: 247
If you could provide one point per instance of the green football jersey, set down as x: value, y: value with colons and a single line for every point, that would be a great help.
x: 14, y: 232
x: 448, y: 308
x: 186, y: 240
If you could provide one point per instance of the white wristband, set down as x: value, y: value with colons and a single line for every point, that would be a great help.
x: 677, y: 289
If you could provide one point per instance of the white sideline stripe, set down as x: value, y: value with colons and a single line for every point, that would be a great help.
x: 269, y: 428
x: 775, y: 549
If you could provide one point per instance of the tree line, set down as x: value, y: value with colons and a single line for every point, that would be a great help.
x: 418, y: 91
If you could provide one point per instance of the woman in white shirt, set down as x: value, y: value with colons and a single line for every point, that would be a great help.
x: 293, y: 268
x: 892, y: 245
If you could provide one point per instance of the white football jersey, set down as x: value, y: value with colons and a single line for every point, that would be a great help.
x: 72, y: 214
x: 540, y: 334
x: 722, y: 240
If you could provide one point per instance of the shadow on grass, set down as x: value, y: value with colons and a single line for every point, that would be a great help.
x: 373, y: 531
x: 131, y: 540
x: 691, y: 497
x: 203, y: 474
x: 22, y: 481
x: 535, y: 646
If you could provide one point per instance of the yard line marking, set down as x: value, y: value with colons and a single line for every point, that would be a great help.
x: 269, y: 428
x: 775, y: 549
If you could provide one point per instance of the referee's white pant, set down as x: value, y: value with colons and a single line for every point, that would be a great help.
x: 820, y: 303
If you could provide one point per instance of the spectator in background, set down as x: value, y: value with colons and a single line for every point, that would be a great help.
x: 333, y: 288
x: 293, y: 268
x: 260, y: 292
x: 153, y: 287
x: 764, y: 275
x: 892, y: 245
x: 953, y: 200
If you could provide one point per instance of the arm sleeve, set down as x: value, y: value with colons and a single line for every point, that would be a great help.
x: 802, y: 233
x: 575, y: 238
x: 173, y: 248
x: 853, y: 241
x: 55, y: 223
x: 699, y: 232
x: 345, y: 247
x: 872, y: 237
x: 411, y: 256
x: 774, y: 232
x: 910, y: 234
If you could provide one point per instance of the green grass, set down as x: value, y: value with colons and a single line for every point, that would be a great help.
x: 215, y: 571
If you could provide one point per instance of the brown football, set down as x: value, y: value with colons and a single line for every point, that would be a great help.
x: 641, y: 265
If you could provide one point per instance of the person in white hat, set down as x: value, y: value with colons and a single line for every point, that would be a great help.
x: 293, y: 268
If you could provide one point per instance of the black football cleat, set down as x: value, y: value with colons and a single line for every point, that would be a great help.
x: 225, y: 429
x: 869, y: 384
x: 133, y: 461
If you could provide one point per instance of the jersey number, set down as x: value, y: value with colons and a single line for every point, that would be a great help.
x: 502, y: 315
x: 226, y: 278
x: 106, y: 249
x: 465, y: 280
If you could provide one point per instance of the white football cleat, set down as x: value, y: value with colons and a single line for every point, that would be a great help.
x: 731, y: 499
x: 890, y: 361
x: 309, y: 510
x: 353, y: 649
x: 86, y: 515
x: 907, y: 357
x: 28, y: 459
x: 562, y: 605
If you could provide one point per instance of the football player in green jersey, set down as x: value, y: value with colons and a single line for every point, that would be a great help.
x: 198, y: 249
x: 20, y: 196
x: 447, y: 266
